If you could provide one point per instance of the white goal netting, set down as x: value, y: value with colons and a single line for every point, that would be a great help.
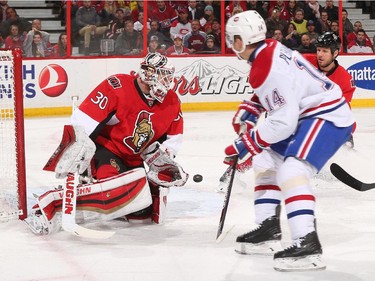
x: 12, y: 175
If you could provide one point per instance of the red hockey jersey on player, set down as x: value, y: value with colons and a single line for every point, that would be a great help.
x: 117, y: 116
x: 338, y: 75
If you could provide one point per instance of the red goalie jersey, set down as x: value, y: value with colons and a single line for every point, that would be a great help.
x: 117, y: 115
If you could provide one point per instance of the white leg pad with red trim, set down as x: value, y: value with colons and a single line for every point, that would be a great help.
x: 105, y: 199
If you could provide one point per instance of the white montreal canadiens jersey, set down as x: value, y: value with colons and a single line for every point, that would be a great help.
x: 291, y: 89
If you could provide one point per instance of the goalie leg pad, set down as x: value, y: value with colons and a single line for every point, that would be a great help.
x: 105, y: 199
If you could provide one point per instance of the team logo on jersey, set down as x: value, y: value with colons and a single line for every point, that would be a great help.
x: 142, y: 133
x: 53, y: 80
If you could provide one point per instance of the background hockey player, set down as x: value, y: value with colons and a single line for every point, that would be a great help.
x: 303, y: 107
x: 327, y: 49
x: 124, y: 122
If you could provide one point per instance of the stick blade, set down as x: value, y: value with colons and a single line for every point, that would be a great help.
x: 349, y: 180
x: 90, y: 233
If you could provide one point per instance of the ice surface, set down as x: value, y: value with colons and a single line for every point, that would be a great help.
x: 184, y: 248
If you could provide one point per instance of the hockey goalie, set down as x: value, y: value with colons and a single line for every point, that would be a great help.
x: 128, y: 124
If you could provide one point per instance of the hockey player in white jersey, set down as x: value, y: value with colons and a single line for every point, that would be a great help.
x: 308, y: 120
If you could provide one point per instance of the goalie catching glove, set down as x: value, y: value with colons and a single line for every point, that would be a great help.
x: 73, y: 154
x: 163, y: 171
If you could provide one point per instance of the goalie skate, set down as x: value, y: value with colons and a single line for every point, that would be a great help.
x: 304, y: 255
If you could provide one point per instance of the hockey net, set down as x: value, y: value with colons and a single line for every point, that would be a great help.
x: 12, y: 142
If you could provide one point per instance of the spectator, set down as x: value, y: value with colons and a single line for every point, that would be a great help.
x: 129, y: 42
x: 108, y: 12
x: 278, y: 35
x: 216, y: 32
x: 282, y: 7
x: 274, y: 22
x: 335, y: 30
x: 306, y: 46
x: 38, y: 48
x: 299, y: 22
x: 311, y: 31
x: 15, y: 39
x: 209, y: 47
x: 154, y: 31
x: 181, y: 25
x: 13, y: 18
x: 312, y: 10
x: 36, y: 25
x: 236, y: 10
x: 153, y: 46
x: 292, y: 8
x: 117, y: 25
x: 335, y: 27
x: 195, y: 39
x: 138, y: 25
x: 138, y: 9
x: 177, y: 48
x: 3, y: 8
x: 60, y: 49
x: 195, y: 11
x: 164, y: 14
x: 257, y: 6
x: 216, y: 5
x: 292, y: 39
x: 89, y: 24
x: 241, y: 5
x: 206, y: 20
x: 332, y: 10
x: 360, y: 46
x: 323, y: 24
x: 346, y: 24
x: 353, y: 35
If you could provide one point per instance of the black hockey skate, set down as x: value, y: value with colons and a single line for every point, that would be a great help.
x: 264, y: 240
x: 305, y: 254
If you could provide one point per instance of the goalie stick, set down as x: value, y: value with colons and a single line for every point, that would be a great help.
x: 349, y: 180
x: 226, y: 201
x: 69, y: 209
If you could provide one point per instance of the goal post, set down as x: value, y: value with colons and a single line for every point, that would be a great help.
x: 13, y: 201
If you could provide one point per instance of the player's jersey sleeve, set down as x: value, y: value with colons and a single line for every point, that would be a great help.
x: 98, y: 106
x: 346, y: 82
x: 175, y: 134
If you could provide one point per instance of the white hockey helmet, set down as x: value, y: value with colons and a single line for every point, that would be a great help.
x: 158, y: 73
x: 248, y: 25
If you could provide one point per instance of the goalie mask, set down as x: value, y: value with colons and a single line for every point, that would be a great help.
x: 158, y: 73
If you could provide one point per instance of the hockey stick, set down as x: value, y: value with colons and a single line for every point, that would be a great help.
x: 69, y: 209
x: 226, y: 200
x: 349, y: 180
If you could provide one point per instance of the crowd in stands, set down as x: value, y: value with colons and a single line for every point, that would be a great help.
x: 177, y: 27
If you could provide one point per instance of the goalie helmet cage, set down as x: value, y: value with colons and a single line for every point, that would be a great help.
x: 12, y: 140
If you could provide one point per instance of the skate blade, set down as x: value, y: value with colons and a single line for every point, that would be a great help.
x: 308, y: 263
x: 268, y: 248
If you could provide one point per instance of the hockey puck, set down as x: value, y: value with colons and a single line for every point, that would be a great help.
x: 197, y: 178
